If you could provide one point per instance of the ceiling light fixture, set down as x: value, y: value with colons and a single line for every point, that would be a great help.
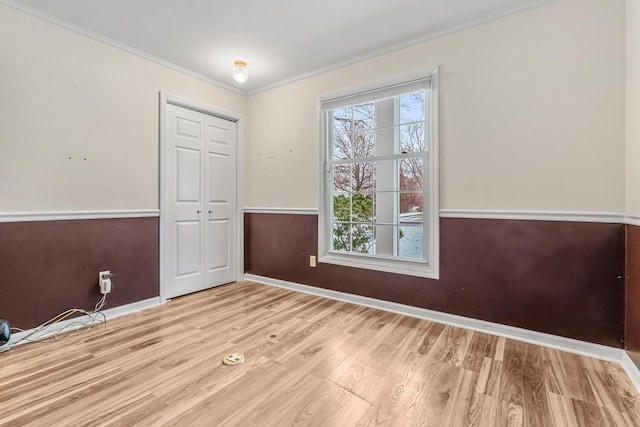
x: 240, y: 73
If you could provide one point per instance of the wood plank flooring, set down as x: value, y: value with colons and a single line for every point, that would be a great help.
x: 309, y: 361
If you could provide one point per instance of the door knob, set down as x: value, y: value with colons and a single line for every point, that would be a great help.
x: 199, y: 211
x: 210, y: 211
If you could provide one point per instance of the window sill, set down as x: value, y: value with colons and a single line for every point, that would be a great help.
x: 406, y: 268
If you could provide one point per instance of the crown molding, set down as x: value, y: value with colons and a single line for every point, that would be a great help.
x: 339, y: 64
x: 403, y: 45
x: 118, y: 45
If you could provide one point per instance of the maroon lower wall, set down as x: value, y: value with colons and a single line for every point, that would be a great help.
x: 50, y: 266
x: 632, y: 297
x: 562, y: 278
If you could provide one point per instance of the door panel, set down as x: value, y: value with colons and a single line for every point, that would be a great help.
x: 221, y: 134
x: 220, y: 169
x: 188, y: 253
x: 200, y: 201
x: 218, y: 257
x: 188, y: 175
x: 187, y: 128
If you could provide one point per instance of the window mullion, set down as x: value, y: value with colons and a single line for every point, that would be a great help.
x: 376, y: 158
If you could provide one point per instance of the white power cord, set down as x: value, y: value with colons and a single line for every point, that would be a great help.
x: 96, y: 317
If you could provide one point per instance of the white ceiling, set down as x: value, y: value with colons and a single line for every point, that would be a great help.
x: 280, y: 40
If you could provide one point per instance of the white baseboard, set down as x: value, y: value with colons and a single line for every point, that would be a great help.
x: 552, y: 341
x: 631, y: 369
x: 569, y: 345
x: 110, y: 314
x: 582, y: 348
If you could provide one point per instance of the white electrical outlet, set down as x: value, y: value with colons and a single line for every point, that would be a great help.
x: 312, y: 260
x: 104, y: 282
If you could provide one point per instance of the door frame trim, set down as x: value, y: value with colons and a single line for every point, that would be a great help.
x: 165, y: 99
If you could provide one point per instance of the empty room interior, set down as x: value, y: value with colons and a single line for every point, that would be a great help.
x: 320, y: 213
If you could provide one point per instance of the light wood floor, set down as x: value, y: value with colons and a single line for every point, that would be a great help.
x: 310, y: 361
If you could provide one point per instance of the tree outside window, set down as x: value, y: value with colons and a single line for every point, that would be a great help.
x: 366, y: 180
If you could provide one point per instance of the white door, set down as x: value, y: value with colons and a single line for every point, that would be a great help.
x: 220, y: 199
x: 199, y: 202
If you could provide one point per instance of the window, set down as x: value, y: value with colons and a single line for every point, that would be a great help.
x: 379, y: 184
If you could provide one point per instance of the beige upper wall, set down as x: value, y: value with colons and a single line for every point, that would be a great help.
x: 532, y: 115
x: 633, y: 107
x: 65, y: 96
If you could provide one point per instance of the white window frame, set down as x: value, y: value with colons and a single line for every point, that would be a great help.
x: 430, y: 267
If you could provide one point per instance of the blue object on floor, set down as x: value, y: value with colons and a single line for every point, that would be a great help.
x: 5, y: 332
